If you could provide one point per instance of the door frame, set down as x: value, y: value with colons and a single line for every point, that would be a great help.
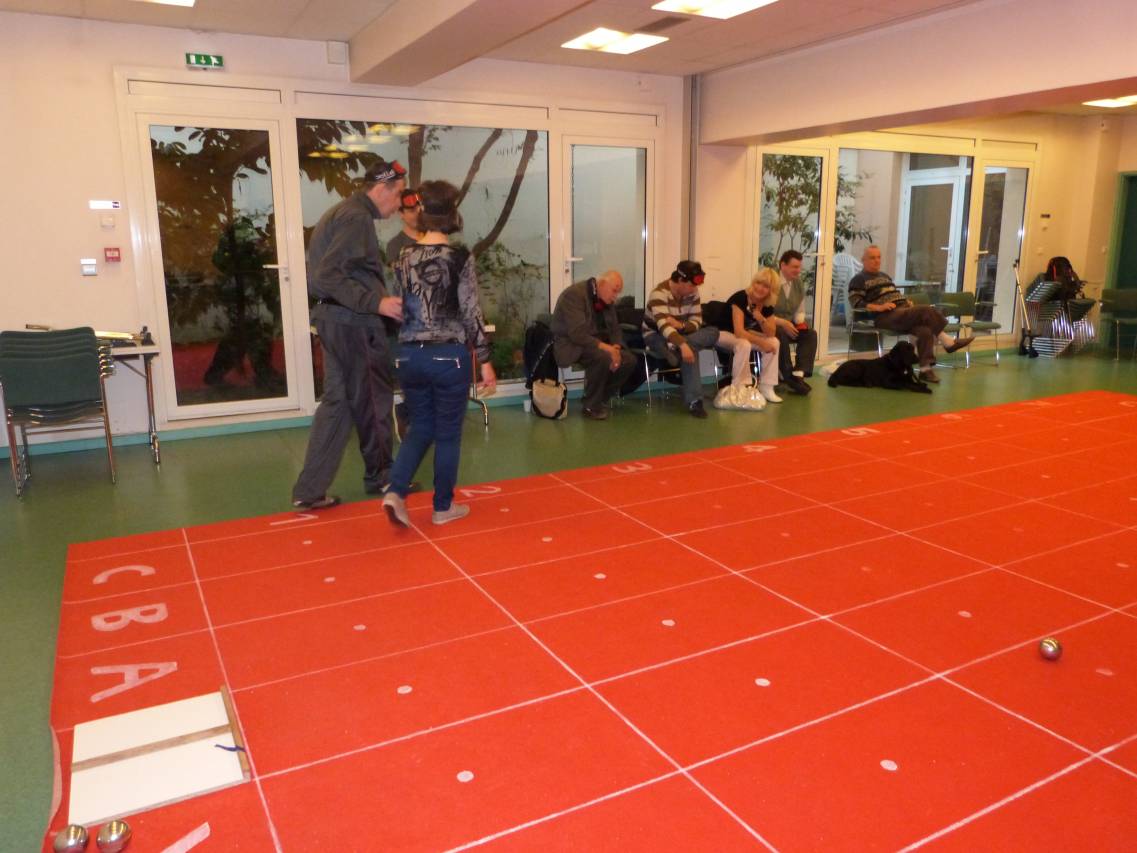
x: 151, y: 268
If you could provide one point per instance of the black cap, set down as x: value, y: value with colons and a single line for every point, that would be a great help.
x: 382, y: 172
x: 689, y: 271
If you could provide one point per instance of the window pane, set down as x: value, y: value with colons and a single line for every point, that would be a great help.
x: 216, y: 221
x: 505, y: 205
x: 609, y: 214
x: 1000, y: 242
x: 932, y: 161
x: 791, y: 201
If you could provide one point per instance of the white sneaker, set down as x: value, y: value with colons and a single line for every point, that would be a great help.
x: 767, y: 391
x: 455, y: 512
x: 396, y: 509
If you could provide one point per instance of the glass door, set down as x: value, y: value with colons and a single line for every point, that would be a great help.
x: 1000, y: 241
x: 790, y: 217
x: 608, y: 221
x: 217, y: 233
x: 930, y: 231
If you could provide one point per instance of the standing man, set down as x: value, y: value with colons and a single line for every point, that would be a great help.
x: 409, y: 206
x: 873, y: 291
x: 345, y: 277
x: 789, y: 316
x: 587, y: 330
x: 674, y: 331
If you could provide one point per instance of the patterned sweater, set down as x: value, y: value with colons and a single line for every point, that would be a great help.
x: 662, y: 303
x: 440, y: 297
x: 867, y: 288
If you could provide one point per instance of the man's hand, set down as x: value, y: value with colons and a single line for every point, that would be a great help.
x: 789, y: 328
x: 674, y: 322
x: 391, y: 306
x: 881, y: 307
x: 613, y: 353
x: 687, y: 353
x: 489, y: 378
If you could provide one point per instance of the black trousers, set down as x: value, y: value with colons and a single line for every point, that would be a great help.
x: 359, y: 382
x: 805, y: 352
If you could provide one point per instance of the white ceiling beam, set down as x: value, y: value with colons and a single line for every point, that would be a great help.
x: 413, y: 41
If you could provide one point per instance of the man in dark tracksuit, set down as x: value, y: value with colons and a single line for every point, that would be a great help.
x: 587, y: 330
x: 345, y: 276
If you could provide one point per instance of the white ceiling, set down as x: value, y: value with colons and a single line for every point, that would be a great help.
x: 696, y: 44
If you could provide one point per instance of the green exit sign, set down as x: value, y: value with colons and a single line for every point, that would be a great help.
x: 205, y: 60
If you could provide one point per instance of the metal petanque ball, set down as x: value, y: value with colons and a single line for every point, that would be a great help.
x: 1050, y: 649
x: 69, y: 839
x: 113, y: 836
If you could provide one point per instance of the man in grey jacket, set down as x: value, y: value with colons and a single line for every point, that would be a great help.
x: 587, y: 330
x: 345, y: 277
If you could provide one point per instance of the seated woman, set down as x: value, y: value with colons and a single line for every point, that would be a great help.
x: 442, y: 322
x: 752, y: 320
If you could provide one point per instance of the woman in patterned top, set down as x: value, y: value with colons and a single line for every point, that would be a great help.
x: 442, y: 322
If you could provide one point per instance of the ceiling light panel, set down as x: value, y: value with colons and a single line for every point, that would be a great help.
x: 721, y: 9
x: 613, y: 41
x: 1113, y: 103
x: 186, y: 3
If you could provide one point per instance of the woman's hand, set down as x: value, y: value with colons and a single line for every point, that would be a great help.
x: 489, y: 378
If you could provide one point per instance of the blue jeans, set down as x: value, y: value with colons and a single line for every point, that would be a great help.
x: 435, y: 379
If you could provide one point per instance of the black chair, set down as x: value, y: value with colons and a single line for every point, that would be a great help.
x: 52, y: 382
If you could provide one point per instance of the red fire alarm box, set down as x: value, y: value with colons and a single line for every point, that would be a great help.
x: 112, y: 256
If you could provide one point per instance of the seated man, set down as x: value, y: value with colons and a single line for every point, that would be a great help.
x: 873, y: 291
x: 674, y: 331
x: 586, y: 330
x: 789, y: 316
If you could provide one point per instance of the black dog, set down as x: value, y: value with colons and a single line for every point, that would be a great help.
x: 893, y: 371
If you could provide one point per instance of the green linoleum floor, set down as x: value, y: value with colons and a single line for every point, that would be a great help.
x: 212, y: 479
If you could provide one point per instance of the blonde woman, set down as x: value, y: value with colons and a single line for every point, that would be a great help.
x: 752, y: 320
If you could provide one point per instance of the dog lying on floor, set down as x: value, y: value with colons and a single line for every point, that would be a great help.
x: 893, y: 371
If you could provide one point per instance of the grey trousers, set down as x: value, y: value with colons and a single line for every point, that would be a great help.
x: 600, y: 382
x: 359, y: 383
x: 704, y: 338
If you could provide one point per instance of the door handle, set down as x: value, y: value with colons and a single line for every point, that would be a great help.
x: 274, y: 266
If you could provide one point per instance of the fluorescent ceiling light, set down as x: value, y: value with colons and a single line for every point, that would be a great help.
x: 721, y: 9
x: 169, y: 2
x: 613, y: 41
x: 1113, y: 103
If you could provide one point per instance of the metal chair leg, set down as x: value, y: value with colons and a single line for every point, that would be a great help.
x: 107, y: 431
x: 14, y: 459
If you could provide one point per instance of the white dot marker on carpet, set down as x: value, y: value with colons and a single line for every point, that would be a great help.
x: 465, y: 776
x: 717, y: 506
x: 889, y: 765
x: 866, y: 568
x: 403, y: 689
x: 600, y: 576
x: 971, y: 458
x: 546, y: 538
x: 966, y: 614
x: 1123, y: 565
x: 785, y: 535
x: 330, y: 579
x: 1104, y: 670
x: 1046, y: 476
x: 762, y: 682
x: 359, y: 628
x: 307, y: 542
x: 668, y: 623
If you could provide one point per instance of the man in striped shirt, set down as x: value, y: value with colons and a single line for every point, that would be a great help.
x: 674, y: 331
x: 874, y: 291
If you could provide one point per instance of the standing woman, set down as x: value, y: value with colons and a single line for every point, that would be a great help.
x: 442, y: 322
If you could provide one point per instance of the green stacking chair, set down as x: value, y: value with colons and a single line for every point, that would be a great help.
x: 1119, y: 308
x: 52, y: 382
x: 962, y: 307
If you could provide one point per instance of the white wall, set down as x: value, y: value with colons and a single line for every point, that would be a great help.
x: 982, y: 58
x: 61, y: 147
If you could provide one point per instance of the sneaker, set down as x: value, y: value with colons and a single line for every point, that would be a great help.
x: 396, y: 509
x: 446, y: 516
x: 600, y: 413
x: 959, y: 343
x: 929, y: 375
x: 696, y: 409
x: 325, y: 502
x: 768, y: 392
x: 797, y: 385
